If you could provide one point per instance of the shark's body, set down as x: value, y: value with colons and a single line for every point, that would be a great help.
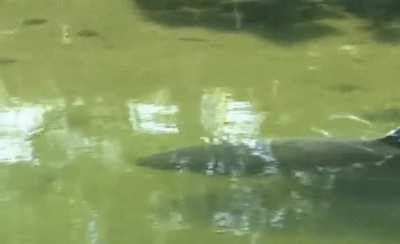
x: 379, y: 158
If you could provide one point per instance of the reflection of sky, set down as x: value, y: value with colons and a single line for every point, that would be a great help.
x: 229, y: 119
x: 17, y: 125
x: 153, y: 118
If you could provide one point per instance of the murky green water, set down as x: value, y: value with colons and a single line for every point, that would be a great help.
x: 87, y: 87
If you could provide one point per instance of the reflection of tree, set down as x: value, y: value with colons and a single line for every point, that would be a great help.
x: 374, y: 10
x: 280, y: 20
x: 382, y: 16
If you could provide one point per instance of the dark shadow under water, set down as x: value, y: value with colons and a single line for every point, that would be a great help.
x: 283, y: 21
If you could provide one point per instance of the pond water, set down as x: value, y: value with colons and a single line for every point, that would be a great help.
x: 88, y: 87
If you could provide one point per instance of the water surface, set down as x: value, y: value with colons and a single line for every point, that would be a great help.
x: 87, y: 87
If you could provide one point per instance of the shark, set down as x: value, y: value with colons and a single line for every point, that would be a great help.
x: 378, y: 159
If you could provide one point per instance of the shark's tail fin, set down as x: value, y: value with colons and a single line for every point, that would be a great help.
x: 392, y: 137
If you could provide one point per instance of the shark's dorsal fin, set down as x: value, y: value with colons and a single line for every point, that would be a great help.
x: 393, y: 137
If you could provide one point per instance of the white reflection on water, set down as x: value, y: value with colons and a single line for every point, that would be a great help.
x: 17, y: 125
x: 153, y: 118
x: 7, y: 32
x: 93, y: 228
x: 350, y: 49
x: 350, y: 117
x: 320, y: 131
x: 65, y: 34
x: 228, y: 119
x: 277, y: 218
